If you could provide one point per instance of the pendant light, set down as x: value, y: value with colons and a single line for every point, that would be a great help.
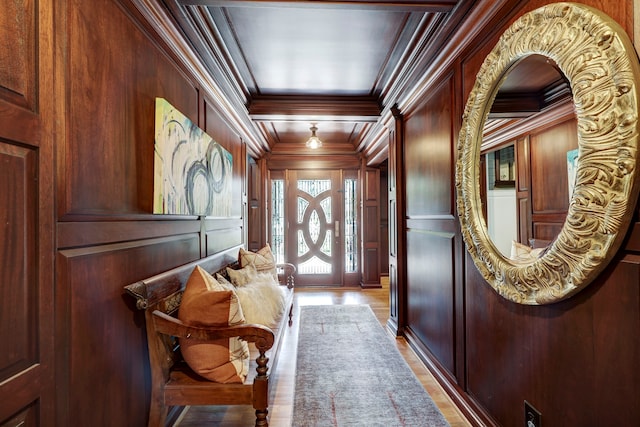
x: 313, y: 142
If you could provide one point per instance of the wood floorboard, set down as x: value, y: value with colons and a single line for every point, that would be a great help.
x: 281, y: 410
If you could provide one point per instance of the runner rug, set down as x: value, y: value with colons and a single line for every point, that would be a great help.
x: 349, y: 373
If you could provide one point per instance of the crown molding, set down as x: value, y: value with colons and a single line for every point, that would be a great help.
x: 232, y: 110
x: 396, y: 6
x: 314, y: 108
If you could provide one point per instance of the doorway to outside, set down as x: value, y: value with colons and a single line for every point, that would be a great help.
x: 314, y: 225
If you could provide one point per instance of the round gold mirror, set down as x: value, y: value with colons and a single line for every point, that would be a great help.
x: 598, y: 59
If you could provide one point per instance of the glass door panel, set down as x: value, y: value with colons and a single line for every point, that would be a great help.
x: 317, y: 213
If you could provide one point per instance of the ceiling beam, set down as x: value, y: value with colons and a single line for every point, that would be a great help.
x: 314, y: 108
x: 400, y: 6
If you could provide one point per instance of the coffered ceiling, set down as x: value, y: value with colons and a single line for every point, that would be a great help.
x: 286, y: 64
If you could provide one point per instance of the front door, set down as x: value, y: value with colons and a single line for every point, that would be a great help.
x: 314, y: 226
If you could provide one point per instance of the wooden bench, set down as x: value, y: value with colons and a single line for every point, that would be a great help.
x: 173, y: 384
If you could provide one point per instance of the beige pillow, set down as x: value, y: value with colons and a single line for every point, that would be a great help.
x: 223, y: 280
x: 206, y: 303
x: 242, y: 276
x: 263, y: 260
x: 262, y: 300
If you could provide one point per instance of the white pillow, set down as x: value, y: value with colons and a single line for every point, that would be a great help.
x: 262, y: 300
x: 242, y: 276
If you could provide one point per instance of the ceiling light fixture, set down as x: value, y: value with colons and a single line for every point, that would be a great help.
x: 313, y: 142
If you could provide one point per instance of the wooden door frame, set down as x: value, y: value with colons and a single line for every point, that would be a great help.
x: 335, y: 277
x: 288, y: 176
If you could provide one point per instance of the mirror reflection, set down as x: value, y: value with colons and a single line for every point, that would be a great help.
x: 604, y: 121
x: 529, y: 145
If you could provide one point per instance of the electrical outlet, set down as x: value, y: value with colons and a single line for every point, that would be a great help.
x: 532, y: 417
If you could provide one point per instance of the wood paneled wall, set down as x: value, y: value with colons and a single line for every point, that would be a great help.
x: 370, y: 228
x: 76, y: 145
x: 575, y: 361
x: 433, y: 242
x: 110, y: 70
x: 26, y: 221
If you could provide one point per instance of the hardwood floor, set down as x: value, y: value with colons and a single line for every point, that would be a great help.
x: 284, y: 377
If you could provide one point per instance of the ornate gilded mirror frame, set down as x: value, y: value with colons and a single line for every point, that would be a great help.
x: 599, y: 60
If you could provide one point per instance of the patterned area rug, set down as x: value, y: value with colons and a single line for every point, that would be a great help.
x: 349, y: 373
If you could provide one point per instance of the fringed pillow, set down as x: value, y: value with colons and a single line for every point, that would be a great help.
x: 242, y: 276
x: 262, y: 300
x: 207, y: 303
x: 223, y: 280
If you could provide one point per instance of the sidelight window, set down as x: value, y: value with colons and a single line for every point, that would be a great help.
x: 277, y: 219
x: 350, y: 226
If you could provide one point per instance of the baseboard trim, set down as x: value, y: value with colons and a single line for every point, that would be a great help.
x: 472, y: 410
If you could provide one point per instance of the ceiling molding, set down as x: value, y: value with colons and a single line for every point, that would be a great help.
x: 209, y: 27
x: 327, y: 149
x: 436, y: 60
x: 396, y: 6
x: 377, y: 137
x: 313, y: 161
x: 496, y: 132
x: 314, y: 108
x: 231, y: 109
x: 426, y: 31
x: 430, y: 61
x: 524, y: 104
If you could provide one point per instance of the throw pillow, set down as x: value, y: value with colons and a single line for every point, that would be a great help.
x: 262, y: 300
x: 242, y: 276
x: 206, y: 303
x: 523, y: 253
x: 223, y: 280
x: 263, y: 260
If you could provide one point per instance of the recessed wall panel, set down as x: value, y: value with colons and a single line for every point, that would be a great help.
x: 430, y: 274
x: 18, y: 32
x: 18, y: 266
x: 429, y: 159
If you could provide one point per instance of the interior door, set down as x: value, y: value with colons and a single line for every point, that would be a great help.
x: 26, y: 214
x: 315, y: 218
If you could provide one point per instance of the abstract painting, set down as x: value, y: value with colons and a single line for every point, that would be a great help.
x: 192, y: 172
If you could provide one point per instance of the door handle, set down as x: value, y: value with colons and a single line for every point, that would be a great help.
x: 336, y: 230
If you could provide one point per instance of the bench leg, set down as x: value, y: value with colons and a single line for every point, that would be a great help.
x: 157, y: 413
x: 261, y: 418
x: 291, y: 315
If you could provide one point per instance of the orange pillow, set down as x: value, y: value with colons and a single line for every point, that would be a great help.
x: 207, y: 303
x: 263, y: 260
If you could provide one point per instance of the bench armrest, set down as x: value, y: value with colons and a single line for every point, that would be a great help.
x: 261, y: 335
x: 286, y: 273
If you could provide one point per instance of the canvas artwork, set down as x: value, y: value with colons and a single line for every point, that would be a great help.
x: 192, y: 172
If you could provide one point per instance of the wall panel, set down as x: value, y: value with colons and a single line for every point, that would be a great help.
x: 220, y: 131
x: 430, y: 296
x: 554, y: 356
x: 428, y: 158
x: 111, y: 70
x: 19, y: 308
x: 115, y: 72
x: 103, y: 366
x: 430, y: 238
x: 370, y: 228
x: 560, y: 357
x: 26, y: 232
x: 548, y: 154
x: 572, y: 360
x: 18, y: 53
